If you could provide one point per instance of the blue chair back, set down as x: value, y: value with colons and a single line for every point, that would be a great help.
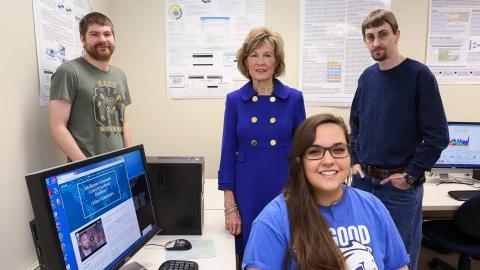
x: 467, y: 217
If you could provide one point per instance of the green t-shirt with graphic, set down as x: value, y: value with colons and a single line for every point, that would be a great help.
x: 98, y: 100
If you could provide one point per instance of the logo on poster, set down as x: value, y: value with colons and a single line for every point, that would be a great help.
x: 175, y: 12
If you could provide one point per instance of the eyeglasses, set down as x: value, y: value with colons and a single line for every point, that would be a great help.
x: 317, y: 152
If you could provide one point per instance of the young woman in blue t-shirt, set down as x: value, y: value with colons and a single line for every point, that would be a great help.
x: 318, y: 222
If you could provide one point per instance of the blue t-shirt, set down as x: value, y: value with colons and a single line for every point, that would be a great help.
x: 360, y: 225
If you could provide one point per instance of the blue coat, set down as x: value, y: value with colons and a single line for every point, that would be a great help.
x: 257, y: 137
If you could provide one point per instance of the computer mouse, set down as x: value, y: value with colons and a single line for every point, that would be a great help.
x: 178, y: 244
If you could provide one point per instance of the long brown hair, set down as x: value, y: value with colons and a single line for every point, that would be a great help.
x: 311, y: 242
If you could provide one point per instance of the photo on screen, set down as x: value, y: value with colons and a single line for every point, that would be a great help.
x: 90, y: 239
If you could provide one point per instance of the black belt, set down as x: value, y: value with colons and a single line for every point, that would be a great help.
x: 380, y: 172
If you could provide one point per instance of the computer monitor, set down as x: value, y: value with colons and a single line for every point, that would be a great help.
x: 463, y: 152
x: 92, y: 214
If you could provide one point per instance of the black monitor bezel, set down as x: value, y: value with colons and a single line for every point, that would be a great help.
x: 452, y: 166
x: 45, y: 229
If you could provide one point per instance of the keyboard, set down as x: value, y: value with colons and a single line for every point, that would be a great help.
x: 178, y: 265
x: 463, y: 195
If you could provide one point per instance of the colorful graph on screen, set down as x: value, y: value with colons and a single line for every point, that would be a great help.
x: 463, y: 149
x: 459, y: 141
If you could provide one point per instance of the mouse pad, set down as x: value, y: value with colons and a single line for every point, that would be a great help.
x: 200, y: 249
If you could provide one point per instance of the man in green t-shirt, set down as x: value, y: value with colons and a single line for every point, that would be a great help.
x: 88, y: 96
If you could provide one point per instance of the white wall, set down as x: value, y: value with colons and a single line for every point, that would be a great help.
x: 180, y: 127
x: 25, y: 142
x: 194, y: 127
x: 166, y: 127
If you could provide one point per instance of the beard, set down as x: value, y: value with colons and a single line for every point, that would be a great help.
x: 379, y: 57
x: 97, y: 52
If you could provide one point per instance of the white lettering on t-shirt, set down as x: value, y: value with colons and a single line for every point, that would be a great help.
x: 364, y: 235
x: 343, y: 236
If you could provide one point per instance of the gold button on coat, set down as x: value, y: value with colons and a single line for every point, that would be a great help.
x: 273, y: 142
x: 273, y: 120
x: 253, y: 143
x: 254, y: 119
x: 272, y: 99
x: 254, y: 98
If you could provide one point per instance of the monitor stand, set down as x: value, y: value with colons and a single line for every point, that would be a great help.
x: 133, y: 266
x: 443, y: 177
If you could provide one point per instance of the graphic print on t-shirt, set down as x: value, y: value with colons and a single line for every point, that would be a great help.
x: 109, y: 106
x: 353, y: 243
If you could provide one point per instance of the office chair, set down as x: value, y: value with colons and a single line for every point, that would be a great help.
x: 461, y: 235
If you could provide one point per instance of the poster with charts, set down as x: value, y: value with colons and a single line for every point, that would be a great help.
x: 453, y: 51
x: 57, y: 37
x: 332, y: 53
x: 202, y: 38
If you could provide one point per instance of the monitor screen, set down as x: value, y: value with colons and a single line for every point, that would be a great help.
x: 92, y: 214
x: 463, y: 150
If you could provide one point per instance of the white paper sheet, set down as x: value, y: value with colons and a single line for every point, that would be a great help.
x: 332, y: 52
x: 453, y: 51
x: 202, y: 40
x: 57, y: 37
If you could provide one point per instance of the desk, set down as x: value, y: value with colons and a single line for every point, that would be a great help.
x: 153, y: 256
x: 436, y: 201
x: 213, y: 198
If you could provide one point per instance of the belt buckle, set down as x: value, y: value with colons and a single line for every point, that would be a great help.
x: 372, y: 171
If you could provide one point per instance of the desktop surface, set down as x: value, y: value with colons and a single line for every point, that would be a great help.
x: 436, y: 201
x: 151, y: 257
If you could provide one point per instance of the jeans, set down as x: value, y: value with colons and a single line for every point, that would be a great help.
x: 405, y: 207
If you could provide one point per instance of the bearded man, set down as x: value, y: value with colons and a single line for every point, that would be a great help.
x: 398, y: 128
x: 88, y: 96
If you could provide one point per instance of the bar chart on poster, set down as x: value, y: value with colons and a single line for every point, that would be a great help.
x: 332, y: 53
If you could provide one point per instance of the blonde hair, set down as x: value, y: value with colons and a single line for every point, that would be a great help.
x: 257, y: 37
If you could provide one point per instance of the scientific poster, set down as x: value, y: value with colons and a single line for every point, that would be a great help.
x: 453, y: 51
x: 202, y: 40
x: 332, y: 52
x: 57, y: 37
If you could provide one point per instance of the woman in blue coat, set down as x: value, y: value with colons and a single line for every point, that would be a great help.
x: 259, y: 122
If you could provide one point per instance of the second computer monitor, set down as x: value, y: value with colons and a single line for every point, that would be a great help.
x: 463, y: 152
